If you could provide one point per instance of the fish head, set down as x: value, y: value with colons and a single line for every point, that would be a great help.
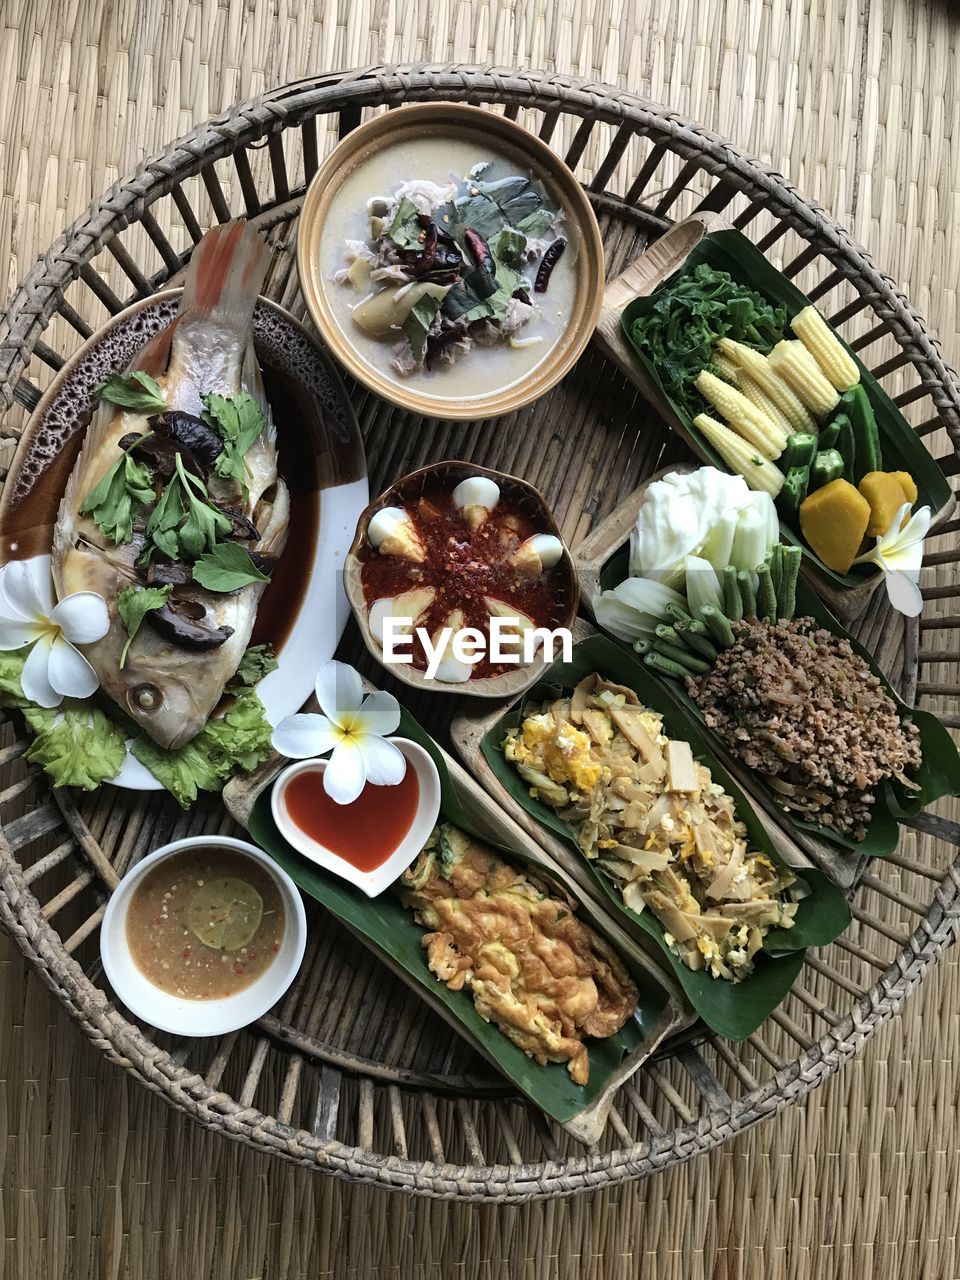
x: 171, y: 704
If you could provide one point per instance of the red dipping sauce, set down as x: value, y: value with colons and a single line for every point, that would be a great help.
x: 363, y: 833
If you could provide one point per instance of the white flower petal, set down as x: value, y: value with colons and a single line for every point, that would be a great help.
x: 903, y: 591
x: 384, y: 761
x: 21, y: 593
x: 379, y: 714
x: 339, y: 689
x: 345, y: 774
x: 69, y: 672
x: 82, y: 616
x: 16, y: 632
x: 34, y: 680
x: 302, y: 736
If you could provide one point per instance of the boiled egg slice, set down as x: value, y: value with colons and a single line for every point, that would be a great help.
x: 392, y: 533
x: 542, y: 551
x: 410, y: 605
x: 475, y: 498
x: 451, y: 670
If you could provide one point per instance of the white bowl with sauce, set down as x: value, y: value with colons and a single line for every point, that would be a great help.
x: 382, y: 833
x: 200, y: 1015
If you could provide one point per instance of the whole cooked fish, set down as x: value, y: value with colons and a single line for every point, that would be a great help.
x: 183, y: 655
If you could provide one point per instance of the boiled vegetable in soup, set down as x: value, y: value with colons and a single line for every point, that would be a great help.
x: 205, y: 923
x: 453, y: 268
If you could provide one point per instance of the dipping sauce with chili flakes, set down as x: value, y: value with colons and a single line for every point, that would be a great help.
x: 363, y: 833
x: 464, y: 565
x: 205, y: 923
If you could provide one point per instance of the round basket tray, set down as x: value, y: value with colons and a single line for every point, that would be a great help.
x: 350, y: 1075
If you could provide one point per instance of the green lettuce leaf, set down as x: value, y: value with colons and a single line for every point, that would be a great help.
x: 75, y: 743
x: 257, y: 662
x: 238, y: 739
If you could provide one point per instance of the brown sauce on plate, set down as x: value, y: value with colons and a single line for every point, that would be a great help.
x: 205, y: 923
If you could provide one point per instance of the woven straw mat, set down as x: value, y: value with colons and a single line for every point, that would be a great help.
x: 857, y: 103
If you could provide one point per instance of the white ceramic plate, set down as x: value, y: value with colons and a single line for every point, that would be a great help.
x: 200, y: 1017
x: 321, y: 454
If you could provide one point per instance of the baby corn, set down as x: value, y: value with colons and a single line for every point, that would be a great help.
x: 756, y: 395
x: 780, y: 392
x: 744, y: 416
x: 726, y: 368
x: 740, y: 457
x: 837, y: 365
x: 793, y: 362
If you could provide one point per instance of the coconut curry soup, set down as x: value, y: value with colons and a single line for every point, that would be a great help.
x: 448, y: 267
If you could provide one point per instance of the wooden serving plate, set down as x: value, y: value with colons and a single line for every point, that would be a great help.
x: 493, y: 823
x: 643, y: 275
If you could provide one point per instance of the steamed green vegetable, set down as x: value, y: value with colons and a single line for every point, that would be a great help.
x: 691, y: 312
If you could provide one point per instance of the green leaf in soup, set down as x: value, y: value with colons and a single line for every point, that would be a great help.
x: 227, y: 567
x: 390, y: 930
x: 508, y: 247
x: 539, y: 222
x: 732, y: 1009
x: 418, y: 321
x: 479, y: 214
x: 405, y: 230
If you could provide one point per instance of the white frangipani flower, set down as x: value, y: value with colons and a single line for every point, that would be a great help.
x: 353, y: 728
x: 54, y: 669
x: 899, y: 553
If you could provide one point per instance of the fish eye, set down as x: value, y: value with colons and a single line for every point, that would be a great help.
x: 147, y: 697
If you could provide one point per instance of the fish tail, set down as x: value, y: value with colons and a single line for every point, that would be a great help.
x: 225, y: 275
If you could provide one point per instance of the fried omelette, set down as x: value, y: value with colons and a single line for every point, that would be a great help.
x: 533, y: 969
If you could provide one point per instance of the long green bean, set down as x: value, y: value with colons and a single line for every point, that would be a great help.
x: 694, y: 636
x: 665, y: 665
x: 677, y: 653
x: 732, y: 604
x: 718, y: 626
x: 787, y: 599
x: 748, y: 597
x: 766, y: 597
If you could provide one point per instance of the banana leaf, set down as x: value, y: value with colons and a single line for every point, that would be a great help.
x: 901, y: 447
x: 939, y: 772
x: 390, y: 930
x: 733, y: 1010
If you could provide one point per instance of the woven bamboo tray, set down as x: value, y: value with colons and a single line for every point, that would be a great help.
x: 349, y: 1075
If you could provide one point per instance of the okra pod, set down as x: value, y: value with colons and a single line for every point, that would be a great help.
x: 766, y: 597
x: 732, y: 604
x: 866, y: 439
x: 666, y: 666
x: 719, y: 626
x: 748, y: 597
